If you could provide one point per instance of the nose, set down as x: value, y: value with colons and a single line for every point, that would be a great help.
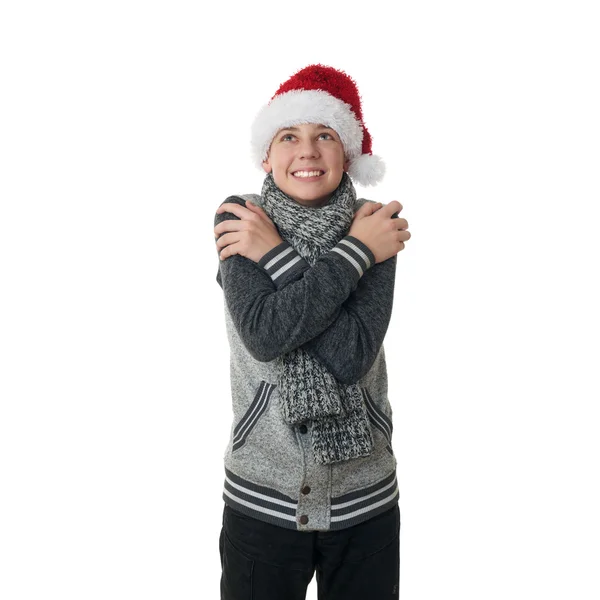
x: 308, y: 149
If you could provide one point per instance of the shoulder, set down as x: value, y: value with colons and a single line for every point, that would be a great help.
x: 361, y: 201
x: 234, y: 200
x: 224, y: 216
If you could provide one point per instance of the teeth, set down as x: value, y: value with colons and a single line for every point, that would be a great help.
x: 307, y: 173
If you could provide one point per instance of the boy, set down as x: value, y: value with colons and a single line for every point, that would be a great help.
x: 307, y: 272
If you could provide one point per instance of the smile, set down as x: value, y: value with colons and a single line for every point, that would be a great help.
x: 307, y: 174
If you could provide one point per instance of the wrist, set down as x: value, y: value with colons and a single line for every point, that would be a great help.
x: 281, y: 262
x: 356, y: 253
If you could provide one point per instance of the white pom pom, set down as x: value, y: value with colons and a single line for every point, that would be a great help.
x: 367, y: 169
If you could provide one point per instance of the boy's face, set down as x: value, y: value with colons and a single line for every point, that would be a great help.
x: 299, y: 150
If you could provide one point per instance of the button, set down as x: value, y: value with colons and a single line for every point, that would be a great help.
x: 303, y: 429
x: 304, y: 519
x: 306, y: 489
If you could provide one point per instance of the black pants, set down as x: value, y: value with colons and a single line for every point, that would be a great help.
x: 261, y: 561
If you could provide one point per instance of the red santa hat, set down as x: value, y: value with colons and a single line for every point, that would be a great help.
x: 320, y: 94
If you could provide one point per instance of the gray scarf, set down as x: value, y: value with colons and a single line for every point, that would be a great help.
x: 307, y: 390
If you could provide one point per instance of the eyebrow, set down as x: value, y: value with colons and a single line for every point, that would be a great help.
x: 320, y: 126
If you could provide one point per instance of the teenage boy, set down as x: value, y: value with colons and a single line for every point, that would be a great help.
x: 307, y: 270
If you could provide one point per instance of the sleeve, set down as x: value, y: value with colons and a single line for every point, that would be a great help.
x: 349, y: 346
x: 280, y: 303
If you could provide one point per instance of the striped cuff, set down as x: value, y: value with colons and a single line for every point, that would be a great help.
x: 282, y: 262
x: 356, y: 253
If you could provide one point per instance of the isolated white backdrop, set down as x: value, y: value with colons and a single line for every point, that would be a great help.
x: 123, y: 126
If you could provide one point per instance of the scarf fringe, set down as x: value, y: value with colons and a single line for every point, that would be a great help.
x: 335, y: 440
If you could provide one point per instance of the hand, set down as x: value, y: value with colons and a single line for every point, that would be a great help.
x: 373, y: 226
x: 252, y: 236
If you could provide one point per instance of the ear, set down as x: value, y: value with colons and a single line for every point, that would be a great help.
x: 347, y: 165
x: 266, y: 165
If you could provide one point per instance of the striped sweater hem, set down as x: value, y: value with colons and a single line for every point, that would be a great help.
x: 269, y: 505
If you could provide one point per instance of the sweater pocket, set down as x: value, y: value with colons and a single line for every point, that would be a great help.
x: 379, y: 419
x: 252, y: 416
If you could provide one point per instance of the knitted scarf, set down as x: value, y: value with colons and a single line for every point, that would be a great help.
x: 307, y: 390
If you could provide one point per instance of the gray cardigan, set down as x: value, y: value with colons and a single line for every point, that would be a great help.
x: 338, y: 311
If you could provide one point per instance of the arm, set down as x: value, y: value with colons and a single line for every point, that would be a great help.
x: 305, y: 301
x: 349, y: 346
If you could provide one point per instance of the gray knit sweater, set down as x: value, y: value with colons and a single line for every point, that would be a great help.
x: 338, y: 310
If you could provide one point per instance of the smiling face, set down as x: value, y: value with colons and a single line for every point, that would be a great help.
x: 307, y: 162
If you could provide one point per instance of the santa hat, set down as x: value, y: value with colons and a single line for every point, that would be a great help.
x: 320, y: 94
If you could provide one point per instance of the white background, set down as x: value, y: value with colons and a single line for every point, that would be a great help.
x: 123, y: 125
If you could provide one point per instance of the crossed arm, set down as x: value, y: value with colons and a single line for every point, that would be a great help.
x: 338, y: 310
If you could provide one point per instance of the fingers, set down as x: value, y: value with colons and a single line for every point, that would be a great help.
x: 227, y: 252
x: 224, y: 253
x: 250, y: 212
x: 391, y: 208
x: 228, y: 247
x: 368, y: 208
x: 226, y: 239
x: 384, y: 211
x: 235, y: 209
x: 253, y: 206
x: 229, y: 225
x: 258, y: 210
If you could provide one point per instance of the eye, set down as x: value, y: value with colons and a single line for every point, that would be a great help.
x: 287, y: 135
x: 329, y: 136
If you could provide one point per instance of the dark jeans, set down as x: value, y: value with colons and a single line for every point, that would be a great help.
x: 261, y: 561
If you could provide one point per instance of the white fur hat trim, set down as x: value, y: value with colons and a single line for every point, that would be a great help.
x: 297, y: 107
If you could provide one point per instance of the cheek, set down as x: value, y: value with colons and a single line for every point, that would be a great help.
x: 281, y: 163
x: 336, y: 154
x: 283, y: 152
